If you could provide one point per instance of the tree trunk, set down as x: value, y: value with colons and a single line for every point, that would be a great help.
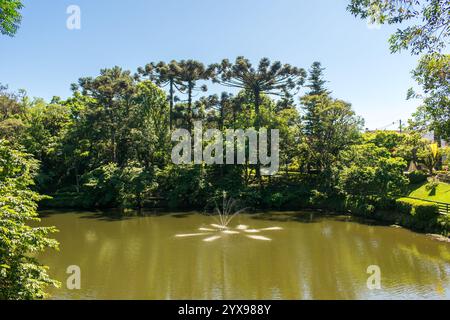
x: 190, y: 107
x: 171, y: 106
x: 257, y: 127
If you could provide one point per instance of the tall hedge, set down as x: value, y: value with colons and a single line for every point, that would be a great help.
x: 422, y: 210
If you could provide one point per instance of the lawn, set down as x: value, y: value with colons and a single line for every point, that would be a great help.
x: 442, y: 193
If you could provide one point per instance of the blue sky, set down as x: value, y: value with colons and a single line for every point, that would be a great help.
x: 45, y: 57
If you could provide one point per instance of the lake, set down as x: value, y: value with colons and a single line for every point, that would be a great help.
x: 292, y: 255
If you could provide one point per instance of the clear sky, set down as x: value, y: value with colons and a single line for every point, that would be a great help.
x: 45, y: 57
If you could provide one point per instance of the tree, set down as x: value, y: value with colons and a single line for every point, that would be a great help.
x: 21, y: 275
x: 331, y: 126
x: 165, y: 75
x: 370, y: 171
x: 10, y: 16
x: 189, y: 73
x: 219, y: 108
x: 433, y: 74
x: 429, y: 36
x: 148, y: 121
x: 402, y: 145
x: 43, y: 137
x: 316, y: 81
x: 12, y: 114
x: 268, y: 78
x: 430, y: 156
x: 112, y: 94
x: 288, y: 121
x: 316, y: 84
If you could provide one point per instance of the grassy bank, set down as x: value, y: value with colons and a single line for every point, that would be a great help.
x: 441, y: 193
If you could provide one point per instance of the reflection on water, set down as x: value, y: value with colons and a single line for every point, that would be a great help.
x: 310, y: 258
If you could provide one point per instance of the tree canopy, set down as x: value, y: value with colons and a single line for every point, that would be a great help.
x: 10, y: 16
x: 428, y: 27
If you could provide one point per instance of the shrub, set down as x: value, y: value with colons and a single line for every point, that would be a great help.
x: 444, y: 224
x: 417, y: 177
x: 432, y: 186
x: 421, y: 210
x: 317, y: 198
x: 359, y: 206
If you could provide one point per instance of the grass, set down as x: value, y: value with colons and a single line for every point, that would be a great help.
x: 441, y: 194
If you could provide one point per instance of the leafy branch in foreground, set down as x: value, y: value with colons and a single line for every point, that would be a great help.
x: 21, y: 276
x: 10, y: 16
x: 430, y: 22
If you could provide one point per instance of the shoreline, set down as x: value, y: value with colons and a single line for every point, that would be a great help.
x: 379, y: 218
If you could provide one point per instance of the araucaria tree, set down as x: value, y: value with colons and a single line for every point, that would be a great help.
x: 165, y: 74
x: 189, y: 73
x: 112, y: 94
x: 268, y: 78
x: 316, y: 80
x: 330, y: 125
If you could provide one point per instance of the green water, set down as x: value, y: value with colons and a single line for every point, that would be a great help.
x: 310, y: 258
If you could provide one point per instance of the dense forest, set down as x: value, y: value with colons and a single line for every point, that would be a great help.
x: 109, y: 145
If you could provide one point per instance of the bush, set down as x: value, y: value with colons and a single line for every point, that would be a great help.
x: 421, y: 210
x: 417, y: 177
x: 278, y: 197
x: 359, y: 206
x: 444, y: 224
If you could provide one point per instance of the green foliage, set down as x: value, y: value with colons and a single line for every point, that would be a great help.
x: 421, y: 210
x: 12, y: 112
x: 390, y: 140
x: 331, y: 126
x: 359, y: 206
x: 443, y: 221
x: 109, y: 144
x: 429, y: 157
x: 370, y: 170
x: 431, y: 28
x: 184, y: 186
x: 316, y: 81
x: 112, y: 186
x: 21, y: 276
x: 137, y: 185
x: 102, y: 186
x: 417, y: 177
x: 10, y: 16
x: 433, y: 75
x: 266, y: 79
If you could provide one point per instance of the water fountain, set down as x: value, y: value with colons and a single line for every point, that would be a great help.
x: 224, y: 217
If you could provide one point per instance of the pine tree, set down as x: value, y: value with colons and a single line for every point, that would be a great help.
x: 316, y: 80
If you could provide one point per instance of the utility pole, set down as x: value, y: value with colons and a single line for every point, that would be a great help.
x: 401, y: 127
